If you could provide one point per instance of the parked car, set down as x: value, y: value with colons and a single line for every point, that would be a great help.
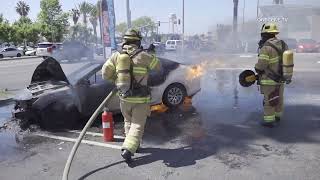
x: 45, y: 49
x: 72, y: 50
x: 10, y: 52
x: 56, y: 101
x: 307, y: 46
x: 291, y: 42
x: 30, y: 51
x: 172, y: 45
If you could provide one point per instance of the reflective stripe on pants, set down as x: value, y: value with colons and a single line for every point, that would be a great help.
x: 270, y: 112
x: 278, y: 114
x: 269, y: 118
x: 268, y: 82
x: 131, y: 144
x: 135, y: 116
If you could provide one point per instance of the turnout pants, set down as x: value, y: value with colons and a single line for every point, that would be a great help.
x: 272, y: 102
x: 135, y: 116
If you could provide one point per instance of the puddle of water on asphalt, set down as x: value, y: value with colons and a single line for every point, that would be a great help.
x: 5, y: 113
x: 8, y: 139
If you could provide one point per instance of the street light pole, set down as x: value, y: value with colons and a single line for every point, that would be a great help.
x: 244, y: 8
x: 182, y: 25
x: 235, y: 15
x: 258, y: 4
x: 128, y: 14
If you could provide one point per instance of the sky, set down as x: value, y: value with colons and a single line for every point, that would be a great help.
x: 200, y: 15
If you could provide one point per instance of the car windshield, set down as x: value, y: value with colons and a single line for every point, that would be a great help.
x: 44, y: 45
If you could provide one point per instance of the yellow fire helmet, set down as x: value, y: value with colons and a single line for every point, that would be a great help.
x: 271, y: 28
x: 132, y: 34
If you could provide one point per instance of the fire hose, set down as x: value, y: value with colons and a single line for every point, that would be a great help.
x: 83, y: 132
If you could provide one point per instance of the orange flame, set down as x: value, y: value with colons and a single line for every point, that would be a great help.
x: 195, y: 71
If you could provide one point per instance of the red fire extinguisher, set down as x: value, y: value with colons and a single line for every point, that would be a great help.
x: 107, y: 126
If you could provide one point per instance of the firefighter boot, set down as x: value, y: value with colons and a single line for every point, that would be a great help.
x: 126, y: 154
x: 138, y: 149
x: 267, y: 124
x: 278, y: 119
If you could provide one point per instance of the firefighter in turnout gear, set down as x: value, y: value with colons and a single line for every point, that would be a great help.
x: 270, y: 73
x: 129, y: 70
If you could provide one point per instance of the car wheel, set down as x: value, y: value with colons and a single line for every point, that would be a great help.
x: 1, y: 55
x: 174, y: 95
x: 57, y: 116
x: 18, y: 55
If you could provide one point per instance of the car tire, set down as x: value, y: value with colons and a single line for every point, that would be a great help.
x: 18, y: 55
x: 1, y: 56
x: 174, y: 95
x: 57, y: 116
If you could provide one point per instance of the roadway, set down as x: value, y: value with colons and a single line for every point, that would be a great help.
x: 218, y: 138
x: 16, y: 74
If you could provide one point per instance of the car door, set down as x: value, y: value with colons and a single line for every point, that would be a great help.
x: 93, y: 93
x: 11, y: 52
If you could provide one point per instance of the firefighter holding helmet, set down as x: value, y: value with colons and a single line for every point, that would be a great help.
x: 274, y: 68
x: 129, y: 70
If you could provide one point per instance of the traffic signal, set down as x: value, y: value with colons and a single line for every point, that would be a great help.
x: 159, y: 23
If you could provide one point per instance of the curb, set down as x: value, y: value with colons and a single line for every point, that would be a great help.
x: 18, y: 58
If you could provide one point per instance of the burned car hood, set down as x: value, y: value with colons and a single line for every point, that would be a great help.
x: 49, y: 70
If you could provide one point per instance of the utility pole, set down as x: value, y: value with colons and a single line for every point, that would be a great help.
x: 277, y: 1
x: 182, y: 25
x: 258, y: 4
x: 244, y: 8
x: 128, y: 14
x: 235, y: 15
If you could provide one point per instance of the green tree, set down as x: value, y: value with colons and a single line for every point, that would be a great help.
x: 1, y: 18
x: 85, y: 9
x: 5, y: 31
x: 25, y: 33
x: 145, y: 25
x: 53, y: 20
x: 23, y: 20
x: 22, y: 8
x: 121, y: 28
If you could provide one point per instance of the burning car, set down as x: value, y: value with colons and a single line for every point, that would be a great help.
x: 55, y: 101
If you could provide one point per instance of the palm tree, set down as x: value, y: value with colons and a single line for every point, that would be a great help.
x: 75, y: 15
x: 99, y: 14
x: 85, y: 9
x: 22, y: 8
x: 94, y: 20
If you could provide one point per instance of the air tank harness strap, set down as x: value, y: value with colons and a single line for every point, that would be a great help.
x: 277, y: 76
